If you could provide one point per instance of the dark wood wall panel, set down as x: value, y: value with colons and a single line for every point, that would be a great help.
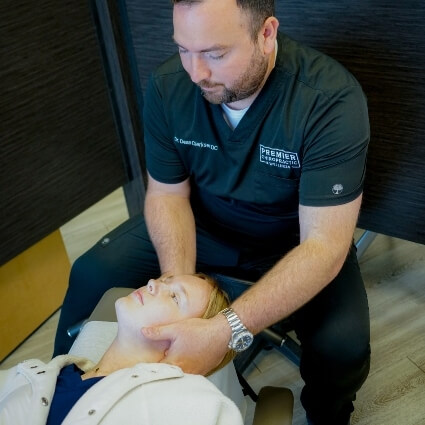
x: 59, y: 150
x: 153, y: 22
x: 383, y: 44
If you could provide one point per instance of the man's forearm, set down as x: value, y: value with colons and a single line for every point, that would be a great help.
x: 287, y: 286
x: 171, y: 226
x: 326, y: 234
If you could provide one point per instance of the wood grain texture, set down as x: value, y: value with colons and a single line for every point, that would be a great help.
x: 383, y: 45
x: 59, y: 152
x: 151, y: 26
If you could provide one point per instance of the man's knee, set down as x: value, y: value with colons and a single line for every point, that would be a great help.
x: 344, y: 342
x: 100, y: 267
x: 341, y: 360
x: 345, y: 335
x: 87, y: 267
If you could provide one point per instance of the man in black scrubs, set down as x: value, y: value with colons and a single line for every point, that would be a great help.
x: 256, y: 149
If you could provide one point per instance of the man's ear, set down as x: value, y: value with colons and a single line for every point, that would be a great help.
x: 268, y: 34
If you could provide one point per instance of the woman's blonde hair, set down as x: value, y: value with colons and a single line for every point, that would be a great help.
x: 218, y: 301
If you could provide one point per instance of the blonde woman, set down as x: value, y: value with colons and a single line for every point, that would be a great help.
x: 128, y: 385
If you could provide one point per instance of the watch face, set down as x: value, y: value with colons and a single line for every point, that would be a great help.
x: 243, y: 341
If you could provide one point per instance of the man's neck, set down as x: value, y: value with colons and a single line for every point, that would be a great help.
x: 246, y: 103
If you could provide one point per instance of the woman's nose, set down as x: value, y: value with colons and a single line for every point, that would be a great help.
x: 152, y: 286
x: 156, y: 286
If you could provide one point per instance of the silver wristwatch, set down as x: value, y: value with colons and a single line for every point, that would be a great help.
x: 241, y: 337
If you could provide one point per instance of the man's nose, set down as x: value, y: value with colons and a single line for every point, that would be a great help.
x: 199, y: 70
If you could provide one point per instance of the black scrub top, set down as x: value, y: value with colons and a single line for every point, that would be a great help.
x: 303, y: 141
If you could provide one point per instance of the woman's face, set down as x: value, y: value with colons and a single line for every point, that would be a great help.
x: 164, y: 301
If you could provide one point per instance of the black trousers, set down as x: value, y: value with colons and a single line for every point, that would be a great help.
x: 333, y: 327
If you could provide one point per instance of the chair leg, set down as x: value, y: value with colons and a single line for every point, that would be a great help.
x: 285, y: 344
x: 74, y: 330
x: 246, y: 388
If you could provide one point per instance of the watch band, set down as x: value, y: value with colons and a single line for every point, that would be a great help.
x: 241, y: 337
x: 235, y: 323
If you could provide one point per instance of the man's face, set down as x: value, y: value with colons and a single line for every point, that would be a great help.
x: 217, y: 50
x: 164, y: 301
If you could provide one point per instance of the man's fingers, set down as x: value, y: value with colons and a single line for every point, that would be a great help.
x: 157, y: 333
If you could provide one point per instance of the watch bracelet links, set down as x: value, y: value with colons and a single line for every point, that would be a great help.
x: 235, y: 323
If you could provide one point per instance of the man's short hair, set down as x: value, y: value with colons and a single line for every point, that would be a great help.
x: 258, y: 11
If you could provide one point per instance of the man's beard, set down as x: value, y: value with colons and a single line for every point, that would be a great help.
x: 245, y: 86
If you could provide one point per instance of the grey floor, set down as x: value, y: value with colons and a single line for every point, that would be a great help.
x: 394, y: 273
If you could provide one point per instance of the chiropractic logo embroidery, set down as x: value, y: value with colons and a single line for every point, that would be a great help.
x: 278, y: 157
x: 337, y: 189
x: 195, y: 143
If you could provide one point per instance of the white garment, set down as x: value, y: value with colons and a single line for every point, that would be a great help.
x: 148, y: 394
x: 233, y: 116
x: 95, y: 338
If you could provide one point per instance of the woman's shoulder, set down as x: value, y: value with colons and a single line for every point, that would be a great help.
x: 35, y: 366
x: 190, y: 399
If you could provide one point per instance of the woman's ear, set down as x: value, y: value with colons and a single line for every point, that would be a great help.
x: 268, y: 34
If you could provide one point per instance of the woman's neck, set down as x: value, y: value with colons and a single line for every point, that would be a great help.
x: 120, y: 356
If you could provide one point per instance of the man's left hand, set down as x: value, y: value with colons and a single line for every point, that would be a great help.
x: 196, y: 345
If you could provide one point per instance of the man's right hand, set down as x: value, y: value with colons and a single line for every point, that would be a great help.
x: 196, y: 345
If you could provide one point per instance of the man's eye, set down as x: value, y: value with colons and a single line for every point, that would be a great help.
x: 217, y: 57
x: 182, y: 51
x: 175, y: 298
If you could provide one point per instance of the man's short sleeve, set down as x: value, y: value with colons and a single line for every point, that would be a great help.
x: 162, y: 158
x: 336, y: 141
